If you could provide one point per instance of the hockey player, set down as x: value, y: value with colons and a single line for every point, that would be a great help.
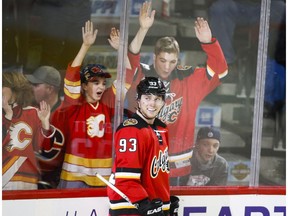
x: 24, y: 128
x: 141, y: 165
x: 185, y: 86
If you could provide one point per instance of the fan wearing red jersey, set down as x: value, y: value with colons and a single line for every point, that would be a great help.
x: 84, y: 121
x: 141, y: 165
x: 24, y: 128
x: 185, y: 86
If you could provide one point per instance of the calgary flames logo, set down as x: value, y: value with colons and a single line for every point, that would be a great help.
x: 95, y: 126
x: 21, y: 136
x: 169, y: 113
x: 160, y: 164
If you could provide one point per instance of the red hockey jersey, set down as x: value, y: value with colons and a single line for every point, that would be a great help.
x: 141, y: 165
x: 186, y: 88
x: 87, y: 134
x: 20, y: 142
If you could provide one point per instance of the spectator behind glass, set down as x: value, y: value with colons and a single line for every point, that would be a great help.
x: 25, y: 128
x: 208, y: 168
x: 141, y: 157
x: 85, y: 121
x: 46, y: 82
x: 186, y: 87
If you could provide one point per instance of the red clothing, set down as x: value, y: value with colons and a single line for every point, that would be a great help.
x: 141, y: 165
x: 50, y: 161
x: 186, y: 88
x: 21, y: 140
x: 87, y: 134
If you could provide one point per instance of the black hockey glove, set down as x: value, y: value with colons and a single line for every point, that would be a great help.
x: 174, y: 206
x: 153, y: 208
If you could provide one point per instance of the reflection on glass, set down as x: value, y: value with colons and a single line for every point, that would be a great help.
x: 196, y: 98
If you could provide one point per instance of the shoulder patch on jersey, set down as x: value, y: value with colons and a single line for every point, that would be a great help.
x: 130, y: 121
x: 183, y: 67
x: 145, y: 66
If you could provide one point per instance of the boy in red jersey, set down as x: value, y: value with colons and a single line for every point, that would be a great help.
x: 185, y: 86
x: 84, y: 121
x: 141, y: 165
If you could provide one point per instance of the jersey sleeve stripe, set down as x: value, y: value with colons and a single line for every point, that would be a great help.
x: 212, y: 73
x: 181, y: 157
x: 166, y: 207
x: 72, y: 83
x: 121, y: 205
x: 73, y: 96
x: 127, y: 175
x: 73, y: 89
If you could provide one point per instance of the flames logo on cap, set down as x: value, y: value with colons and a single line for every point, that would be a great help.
x: 96, y: 69
x: 93, y: 70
